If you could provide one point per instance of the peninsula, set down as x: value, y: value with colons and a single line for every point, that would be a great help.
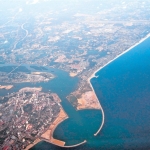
x: 32, y: 116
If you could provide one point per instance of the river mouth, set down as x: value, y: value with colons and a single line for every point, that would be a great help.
x: 81, y: 125
x: 123, y: 88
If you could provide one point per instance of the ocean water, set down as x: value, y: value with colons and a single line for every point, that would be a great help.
x: 123, y: 88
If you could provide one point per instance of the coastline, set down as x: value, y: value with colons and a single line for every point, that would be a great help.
x: 93, y: 75
x: 130, y: 48
x: 48, y: 137
x: 48, y: 134
x: 103, y: 115
x: 52, y: 128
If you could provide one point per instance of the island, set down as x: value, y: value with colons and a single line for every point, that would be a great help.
x: 22, y: 77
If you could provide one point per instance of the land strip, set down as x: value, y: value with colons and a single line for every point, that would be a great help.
x: 7, y: 87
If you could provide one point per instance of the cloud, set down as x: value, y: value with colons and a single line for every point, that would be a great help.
x: 32, y: 2
x: 20, y: 9
x: 35, y: 1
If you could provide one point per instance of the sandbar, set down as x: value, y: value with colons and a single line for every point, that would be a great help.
x: 29, y: 89
x: 72, y: 74
x: 7, y: 87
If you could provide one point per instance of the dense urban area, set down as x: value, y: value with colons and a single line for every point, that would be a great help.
x: 25, y: 116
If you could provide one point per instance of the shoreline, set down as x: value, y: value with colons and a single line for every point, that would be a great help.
x: 49, y: 136
x: 93, y: 76
x: 50, y: 139
x: 52, y: 128
x: 127, y: 50
x: 103, y: 115
x: 57, y: 142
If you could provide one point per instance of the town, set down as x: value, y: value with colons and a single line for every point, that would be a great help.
x: 25, y: 116
x: 20, y: 77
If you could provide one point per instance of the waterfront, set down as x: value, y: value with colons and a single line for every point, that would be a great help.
x: 123, y: 88
x: 81, y: 124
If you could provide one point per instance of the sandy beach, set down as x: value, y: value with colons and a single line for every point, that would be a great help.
x: 72, y: 74
x: 48, y: 135
x: 93, y: 75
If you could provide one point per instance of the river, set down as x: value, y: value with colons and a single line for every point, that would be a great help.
x: 123, y: 88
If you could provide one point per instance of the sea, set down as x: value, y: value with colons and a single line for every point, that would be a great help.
x: 123, y: 89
